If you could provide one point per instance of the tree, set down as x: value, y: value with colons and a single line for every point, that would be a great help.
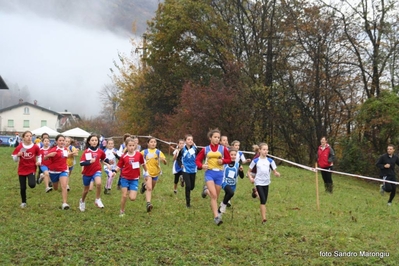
x: 370, y: 28
x: 109, y: 97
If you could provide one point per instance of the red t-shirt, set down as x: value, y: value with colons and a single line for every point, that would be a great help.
x: 44, y: 152
x: 91, y: 169
x: 58, y: 162
x: 27, y: 162
x: 130, y: 165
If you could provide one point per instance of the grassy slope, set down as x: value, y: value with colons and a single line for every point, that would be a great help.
x: 355, y: 218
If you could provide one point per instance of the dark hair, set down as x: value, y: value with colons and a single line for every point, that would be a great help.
x: 45, y: 134
x: 56, y: 138
x: 23, y: 134
x: 213, y: 131
x: 59, y: 136
x: 150, y: 138
x: 90, y: 137
x: 186, y: 136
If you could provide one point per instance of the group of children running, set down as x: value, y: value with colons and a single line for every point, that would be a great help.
x: 221, y: 163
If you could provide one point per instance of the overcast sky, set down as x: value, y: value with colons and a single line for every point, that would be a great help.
x: 63, y: 66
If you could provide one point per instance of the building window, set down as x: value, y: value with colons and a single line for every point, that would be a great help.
x: 10, y: 123
x: 26, y: 123
x: 43, y: 123
x: 26, y: 110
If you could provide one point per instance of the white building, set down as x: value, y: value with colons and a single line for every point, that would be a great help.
x: 27, y: 116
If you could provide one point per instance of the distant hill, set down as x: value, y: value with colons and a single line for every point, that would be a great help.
x: 114, y: 15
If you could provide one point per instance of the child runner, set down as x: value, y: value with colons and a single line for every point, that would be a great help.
x: 255, y: 149
x: 129, y: 164
x: 58, y: 168
x: 224, y: 141
x: 136, y: 140
x: 110, y: 170
x: 240, y: 158
x: 27, y: 154
x: 72, y: 153
x: 230, y: 177
x: 186, y: 159
x: 45, y: 164
x: 122, y: 150
x: 40, y: 145
x: 90, y: 160
x: 215, y: 156
x: 176, y: 168
x: 152, y: 157
x: 264, y: 165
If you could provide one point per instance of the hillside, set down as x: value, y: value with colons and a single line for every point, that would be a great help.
x: 114, y: 15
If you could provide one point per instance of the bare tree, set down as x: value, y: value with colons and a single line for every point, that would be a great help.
x: 369, y: 28
x: 109, y: 98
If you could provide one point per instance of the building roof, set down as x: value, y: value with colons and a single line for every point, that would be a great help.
x: 28, y: 104
x: 3, y: 85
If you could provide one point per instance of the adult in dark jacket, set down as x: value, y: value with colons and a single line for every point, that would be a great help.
x: 325, y: 159
x: 386, y: 164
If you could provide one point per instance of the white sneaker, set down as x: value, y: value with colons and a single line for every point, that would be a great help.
x: 48, y: 189
x: 23, y: 205
x: 65, y: 206
x: 99, y: 203
x: 222, y: 207
x: 41, y: 178
x: 82, y: 205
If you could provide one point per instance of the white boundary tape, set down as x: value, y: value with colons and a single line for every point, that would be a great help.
x: 292, y: 163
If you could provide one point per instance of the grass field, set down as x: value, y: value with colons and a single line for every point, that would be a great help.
x: 354, y: 226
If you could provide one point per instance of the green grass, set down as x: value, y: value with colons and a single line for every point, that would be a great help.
x: 355, y: 218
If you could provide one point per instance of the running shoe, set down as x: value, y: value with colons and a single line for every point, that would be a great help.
x: 40, y: 180
x: 229, y: 204
x: 218, y: 220
x: 82, y: 205
x: 222, y: 207
x: 254, y: 193
x: 382, y: 189
x: 121, y: 214
x: 143, y: 188
x: 203, y: 194
x: 149, y: 206
x: 48, y: 189
x: 65, y: 206
x: 23, y: 205
x: 389, y: 203
x: 99, y: 203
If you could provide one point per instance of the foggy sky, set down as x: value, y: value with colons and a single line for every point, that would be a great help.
x: 63, y: 65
